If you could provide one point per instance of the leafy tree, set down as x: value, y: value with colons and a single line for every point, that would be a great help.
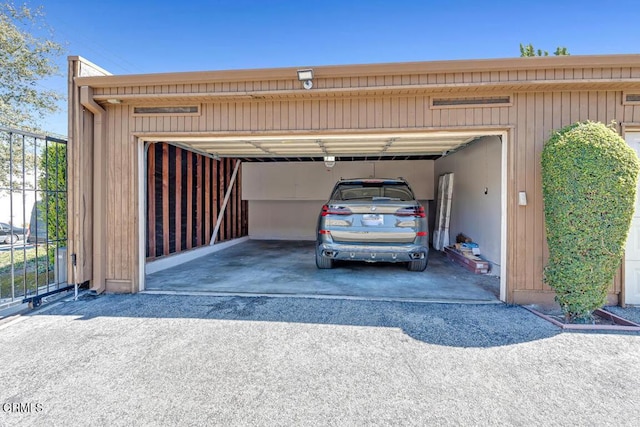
x: 17, y: 156
x: 589, y: 177
x: 25, y: 59
x: 561, y: 51
x: 529, y: 50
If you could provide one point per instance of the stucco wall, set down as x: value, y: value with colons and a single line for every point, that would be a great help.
x: 473, y: 212
x: 285, y: 198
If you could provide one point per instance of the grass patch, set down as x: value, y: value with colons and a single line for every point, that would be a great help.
x: 28, y: 267
x: 19, y: 281
x: 22, y: 257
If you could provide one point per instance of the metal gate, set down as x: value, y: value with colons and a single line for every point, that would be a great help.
x: 33, y: 217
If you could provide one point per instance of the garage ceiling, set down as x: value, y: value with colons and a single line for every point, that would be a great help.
x: 340, y: 146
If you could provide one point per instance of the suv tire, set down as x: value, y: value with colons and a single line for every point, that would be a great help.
x: 322, y: 262
x: 418, y: 265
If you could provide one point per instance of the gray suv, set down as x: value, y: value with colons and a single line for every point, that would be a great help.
x: 372, y: 220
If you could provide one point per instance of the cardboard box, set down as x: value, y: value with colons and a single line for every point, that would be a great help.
x: 472, y: 263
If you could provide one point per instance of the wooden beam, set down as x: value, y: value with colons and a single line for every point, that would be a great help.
x: 227, y: 183
x: 221, y: 168
x: 199, y: 189
x: 225, y: 202
x: 245, y: 221
x: 207, y: 200
x: 214, y: 195
x: 151, y: 203
x: 165, y: 199
x: 178, y: 199
x: 233, y: 217
x: 189, y: 199
x: 238, y: 223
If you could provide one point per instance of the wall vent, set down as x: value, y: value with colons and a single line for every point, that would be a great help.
x: 632, y: 97
x: 477, y: 101
x: 181, y: 110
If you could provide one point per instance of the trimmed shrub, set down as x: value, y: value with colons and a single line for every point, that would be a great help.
x: 589, y: 177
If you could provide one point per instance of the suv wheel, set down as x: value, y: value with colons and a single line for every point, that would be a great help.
x: 322, y: 262
x: 418, y: 265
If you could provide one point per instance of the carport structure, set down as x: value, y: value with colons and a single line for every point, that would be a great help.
x: 257, y: 139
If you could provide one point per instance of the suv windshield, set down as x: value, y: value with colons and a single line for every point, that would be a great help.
x: 372, y: 191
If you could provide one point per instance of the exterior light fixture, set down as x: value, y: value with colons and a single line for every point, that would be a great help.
x: 329, y: 161
x: 306, y: 77
x: 114, y: 101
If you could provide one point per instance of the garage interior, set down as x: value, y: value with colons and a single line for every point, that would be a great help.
x: 259, y: 198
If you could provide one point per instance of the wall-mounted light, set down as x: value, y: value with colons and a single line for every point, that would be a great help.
x: 114, y: 101
x: 329, y: 161
x: 306, y: 77
x: 522, y: 198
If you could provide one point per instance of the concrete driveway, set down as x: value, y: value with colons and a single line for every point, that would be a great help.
x: 183, y: 360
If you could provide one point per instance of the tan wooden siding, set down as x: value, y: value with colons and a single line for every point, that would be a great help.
x: 121, y: 216
x: 538, y: 115
x: 317, y: 115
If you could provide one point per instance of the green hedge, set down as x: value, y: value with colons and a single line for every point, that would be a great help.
x: 589, y: 177
x: 53, y: 184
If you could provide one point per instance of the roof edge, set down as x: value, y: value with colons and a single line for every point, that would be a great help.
x: 364, y: 70
x: 86, y: 62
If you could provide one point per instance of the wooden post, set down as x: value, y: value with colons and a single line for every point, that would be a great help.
x: 214, y: 194
x: 189, y: 199
x: 239, y: 201
x: 225, y: 202
x: 151, y: 204
x: 221, y: 168
x: 227, y: 184
x: 199, y: 216
x: 207, y: 200
x: 233, y: 218
x: 245, y: 219
x: 165, y: 199
x: 178, y: 199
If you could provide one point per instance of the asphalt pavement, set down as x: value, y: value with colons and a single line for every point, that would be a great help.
x: 187, y: 360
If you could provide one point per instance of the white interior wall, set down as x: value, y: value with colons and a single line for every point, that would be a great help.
x: 285, y: 197
x: 474, y: 213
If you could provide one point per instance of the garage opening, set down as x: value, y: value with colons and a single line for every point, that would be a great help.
x: 281, y: 184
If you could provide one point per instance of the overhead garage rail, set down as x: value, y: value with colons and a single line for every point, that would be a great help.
x: 33, y: 217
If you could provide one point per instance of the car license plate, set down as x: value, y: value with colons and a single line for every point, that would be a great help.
x: 371, y: 219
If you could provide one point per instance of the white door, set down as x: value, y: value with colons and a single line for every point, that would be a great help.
x: 632, y: 254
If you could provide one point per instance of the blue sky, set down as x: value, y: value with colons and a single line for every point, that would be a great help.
x: 131, y: 37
